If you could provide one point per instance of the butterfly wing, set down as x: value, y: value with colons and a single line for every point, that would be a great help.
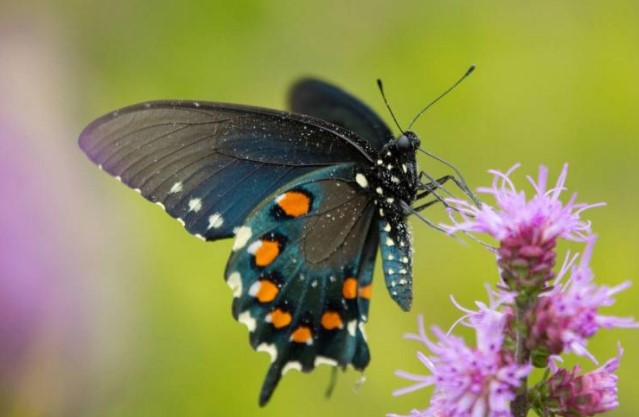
x: 325, y: 101
x: 301, y: 272
x: 209, y: 164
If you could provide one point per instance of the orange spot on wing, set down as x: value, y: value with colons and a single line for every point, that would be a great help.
x: 366, y: 292
x: 349, y: 289
x: 294, y: 203
x: 267, y: 291
x: 302, y: 335
x: 266, y: 252
x: 331, y: 320
x: 280, y: 318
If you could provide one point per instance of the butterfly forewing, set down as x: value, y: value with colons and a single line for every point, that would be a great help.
x: 209, y: 164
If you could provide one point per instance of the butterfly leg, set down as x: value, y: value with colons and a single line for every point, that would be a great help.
x: 429, y: 189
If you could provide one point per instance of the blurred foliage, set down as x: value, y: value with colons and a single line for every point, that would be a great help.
x: 556, y: 82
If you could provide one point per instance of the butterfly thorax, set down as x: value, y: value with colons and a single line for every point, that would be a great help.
x: 396, y: 171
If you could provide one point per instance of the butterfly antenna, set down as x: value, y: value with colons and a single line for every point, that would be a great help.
x: 451, y: 88
x: 381, y: 90
x: 460, y: 181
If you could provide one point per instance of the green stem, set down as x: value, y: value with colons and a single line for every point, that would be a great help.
x: 520, y: 405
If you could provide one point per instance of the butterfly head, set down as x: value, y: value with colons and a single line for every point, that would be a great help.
x: 407, y: 142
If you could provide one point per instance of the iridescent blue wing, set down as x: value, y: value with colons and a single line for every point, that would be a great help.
x: 209, y: 164
x: 325, y: 101
x: 301, y: 272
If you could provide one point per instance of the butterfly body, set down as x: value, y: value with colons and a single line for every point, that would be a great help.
x: 309, y: 197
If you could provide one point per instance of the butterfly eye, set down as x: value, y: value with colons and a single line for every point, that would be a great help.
x: 403, y: 143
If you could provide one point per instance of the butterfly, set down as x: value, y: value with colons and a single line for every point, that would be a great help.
x: 309, y: 196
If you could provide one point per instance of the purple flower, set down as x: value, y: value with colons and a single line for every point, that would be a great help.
x: 565, y: 317
x: 527, y: 229
x: 469, y: 382
x: 567, y: 393
x: 516, y: 215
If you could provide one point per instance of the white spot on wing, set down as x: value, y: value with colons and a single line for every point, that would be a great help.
x: 176, y: 188
x: 361, y: 180
x: 215, y: 221
x: 195, y: 204
x: 247, y: 320
x: 179, y: 219
x: 379, y: 190
x: 323, y: 360
x: 199, y: 236
x: 351, y: 326
x: 255, y: 288
x: 159, y: 204
x: 361, y: 329
x: 404, y: 168
x: 390, y: 242
x: 387, y: 227
x: 291, y: 365
x: 242, y: 236
x: 394, y: 179
x: 253, y: 247
x: 270, y: 349
x: 234, y: 281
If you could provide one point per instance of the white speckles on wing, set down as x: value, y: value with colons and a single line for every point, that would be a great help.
x: 119, y: 178
x: 390, y: 271
x: 403, y: 271
x: 380, y: 162
x: 291, y: 365
x: 390, y: 200
x: 314, y: 284
x: 199, y: 236
x: 159, y: 204
x: 403, y: 282
x: 404, y: 168
x: 351, y: 327
x: 390, y: 242
x: 234, y: 281
x: 387, y: 227
x: 242, y: 236
x: 394, y: 179
x: 179, y: 220
x: 404, y: 259
x: 247, y: 320
x: 176, y: 188
x: 379, y: 190
x: 196, y: 104
x: 195, y: 204
x: 215, y: 221
x: 361, y: 180
x: 137, y: 190
x: 323, y: 360
x: 271, y: 349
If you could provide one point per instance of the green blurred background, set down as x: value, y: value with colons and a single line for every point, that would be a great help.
x: 131, y: 316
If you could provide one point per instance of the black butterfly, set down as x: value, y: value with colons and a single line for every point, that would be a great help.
x: 308, y: 195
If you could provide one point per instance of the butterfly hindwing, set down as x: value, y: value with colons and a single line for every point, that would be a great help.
x: 301, y: 271
x: 325, y: 101
x: 210, y: 164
